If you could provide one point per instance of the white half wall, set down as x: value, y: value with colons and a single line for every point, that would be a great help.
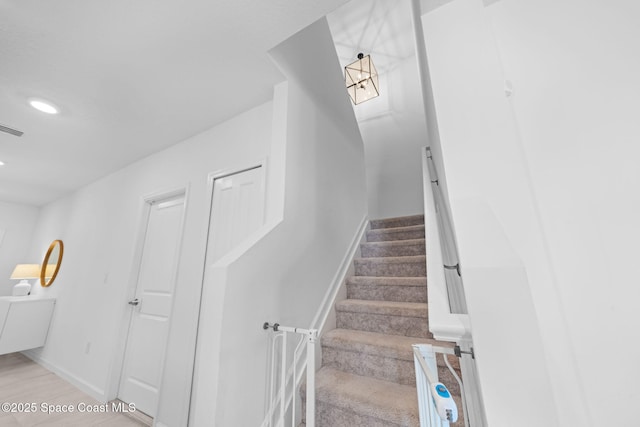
x: 556, y: 162
x: 574, y: 69
x: 483, y: 160
x: 99, y: 225
x: 16, y: 227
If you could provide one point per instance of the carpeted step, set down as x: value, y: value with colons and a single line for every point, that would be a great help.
x: 385, y: 317
x: 386, y: 357
x: 393, y: 248
x: 403, y: 266
x: 410, y: 289
x: 402, y: 221
x: 398, y: 233
x: 345, y: 399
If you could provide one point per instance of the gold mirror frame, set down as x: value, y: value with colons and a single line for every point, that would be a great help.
x: 43, y: 269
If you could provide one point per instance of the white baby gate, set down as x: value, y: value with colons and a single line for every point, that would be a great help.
x: 436, y: 405
x: 279, y: 398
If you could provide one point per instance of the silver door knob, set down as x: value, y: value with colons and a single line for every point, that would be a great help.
x: 134, y: 302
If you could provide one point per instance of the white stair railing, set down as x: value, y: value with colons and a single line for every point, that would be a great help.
x: 448, y: 318
x: 280, y: 396
x: 445, y: 238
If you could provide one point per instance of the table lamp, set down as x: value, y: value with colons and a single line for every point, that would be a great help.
x: 24, y: 272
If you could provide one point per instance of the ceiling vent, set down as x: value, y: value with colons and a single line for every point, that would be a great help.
x: 11, y: 131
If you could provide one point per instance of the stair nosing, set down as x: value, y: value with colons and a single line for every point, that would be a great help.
x: 419, y: 217
x: 364, y: 341
x: 404, y: 242
x: 409, y: 281
x: 379, y: 307
x: 418, y: 227
x: 392, y: 259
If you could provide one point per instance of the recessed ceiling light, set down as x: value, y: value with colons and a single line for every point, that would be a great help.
x: 44, y: 106
x: 1, y: 163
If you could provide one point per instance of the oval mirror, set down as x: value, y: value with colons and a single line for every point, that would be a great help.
x: 51, y: 263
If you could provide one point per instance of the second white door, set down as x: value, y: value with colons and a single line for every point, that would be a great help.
x: 149, y: 324
x: 237, y: 210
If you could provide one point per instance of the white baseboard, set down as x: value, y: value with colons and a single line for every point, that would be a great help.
x: 90, y: 389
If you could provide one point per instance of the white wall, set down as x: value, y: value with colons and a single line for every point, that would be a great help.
x: 574, y: 67
x: 556, y: 164
x: 392, y: 125
x: 483, y: 160
x: 99, y: 225
x: 394, y: 131
x: 284, y: 276
x: 16, y: 226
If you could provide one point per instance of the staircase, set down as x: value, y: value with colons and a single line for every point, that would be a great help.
x: 367, y: 376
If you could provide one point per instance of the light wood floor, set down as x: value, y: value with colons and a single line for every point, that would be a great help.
x: 23, y: 381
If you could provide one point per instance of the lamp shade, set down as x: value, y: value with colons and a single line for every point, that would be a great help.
x: 26, y: 271
x: 361, y: 78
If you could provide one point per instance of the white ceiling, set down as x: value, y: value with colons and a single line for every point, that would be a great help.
x: 381, y: 28
x: 131, y: 78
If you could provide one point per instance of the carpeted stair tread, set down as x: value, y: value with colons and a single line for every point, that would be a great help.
x: 392, y: 308
x: 402, y: 221
x: 392, y: 248
x: 385, y: 317
x: 392, y: 259
x: 369, y: 399
x: 411, y: 289
x: 402, y: 266
x: 387, y: 281
x: 398, y: 233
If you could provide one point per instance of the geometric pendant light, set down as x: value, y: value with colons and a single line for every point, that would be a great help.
x: 361, y: 78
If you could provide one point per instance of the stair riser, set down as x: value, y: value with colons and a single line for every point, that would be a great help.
x: 377, y: 268
x: 386, y: 368
x: 384, y: 324
x: 397, y: 250
x: 370, y: 365
x: 328, y: 415
x: 383, y: 236
x: 397, y: 222
x: 387, y: 293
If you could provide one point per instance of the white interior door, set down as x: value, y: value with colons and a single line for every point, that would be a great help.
x: 237, y: 210
x: 151, y: 308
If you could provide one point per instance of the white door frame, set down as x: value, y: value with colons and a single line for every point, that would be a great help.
x: 145, y: 209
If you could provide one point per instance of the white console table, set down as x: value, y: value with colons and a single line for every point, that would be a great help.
x: 24, y: 322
